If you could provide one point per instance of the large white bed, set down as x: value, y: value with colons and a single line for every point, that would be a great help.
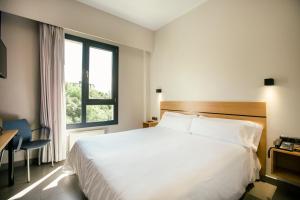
x: 160, y: 164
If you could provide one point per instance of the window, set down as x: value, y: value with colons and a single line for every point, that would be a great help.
x: 91, y: 77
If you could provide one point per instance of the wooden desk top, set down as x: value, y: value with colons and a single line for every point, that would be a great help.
x: 6, y: 137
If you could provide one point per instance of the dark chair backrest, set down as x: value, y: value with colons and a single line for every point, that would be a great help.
x: 23, y: 127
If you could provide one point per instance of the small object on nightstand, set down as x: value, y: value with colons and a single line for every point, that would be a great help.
x: 150, y: 124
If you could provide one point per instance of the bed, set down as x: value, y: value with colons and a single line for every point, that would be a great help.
x: 163, y: 163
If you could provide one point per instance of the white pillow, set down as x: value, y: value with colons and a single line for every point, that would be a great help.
x: 176, y: 121
x: 234, y: 131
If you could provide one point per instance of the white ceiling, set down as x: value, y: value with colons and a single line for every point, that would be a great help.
x: 151, y: 14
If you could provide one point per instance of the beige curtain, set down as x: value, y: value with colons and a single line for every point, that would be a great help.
x: 52, y: 89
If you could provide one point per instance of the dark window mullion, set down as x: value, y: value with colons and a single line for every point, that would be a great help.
x: 103, y: 46
x: 115, y: 82
x: 85, y: 80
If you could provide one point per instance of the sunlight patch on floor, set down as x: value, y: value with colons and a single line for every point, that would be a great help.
x: 55, y: 182
x: 34, y: 185
x: 263, y: 190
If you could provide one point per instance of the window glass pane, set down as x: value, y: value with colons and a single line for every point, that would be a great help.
x: 100, y: 73
x: 99, y: 113
x: 73, y: 77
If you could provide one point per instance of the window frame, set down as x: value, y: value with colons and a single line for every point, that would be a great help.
x: 85, y: 100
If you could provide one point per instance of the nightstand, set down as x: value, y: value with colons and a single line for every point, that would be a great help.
x: 285, y: 165
x: 150, y: 124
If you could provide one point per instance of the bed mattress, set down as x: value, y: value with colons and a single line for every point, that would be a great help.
x: 158, y: 164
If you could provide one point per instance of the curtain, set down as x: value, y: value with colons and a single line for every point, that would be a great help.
x: 52, y: 113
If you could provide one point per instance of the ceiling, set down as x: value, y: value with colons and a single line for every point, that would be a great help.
x: 151, y: 14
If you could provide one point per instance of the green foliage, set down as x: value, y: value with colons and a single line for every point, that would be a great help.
x: 73, y: 103
x: 95, y: 113
x: 95, y: 94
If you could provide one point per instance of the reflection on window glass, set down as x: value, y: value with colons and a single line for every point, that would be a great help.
x: 100, y: 73
x: 73, y: 76
x: 99, y: 113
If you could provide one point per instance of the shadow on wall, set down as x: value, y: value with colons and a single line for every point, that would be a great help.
x: 7, y: 116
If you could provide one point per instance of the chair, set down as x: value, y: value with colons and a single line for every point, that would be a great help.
x: 23, y: 140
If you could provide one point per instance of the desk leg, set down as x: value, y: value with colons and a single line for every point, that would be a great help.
x: 11, y: 179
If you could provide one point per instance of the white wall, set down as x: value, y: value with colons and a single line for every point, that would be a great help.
x: 131, y: 88
x: 20, y: 92
x: 222, y: 51
x: 71, y: 14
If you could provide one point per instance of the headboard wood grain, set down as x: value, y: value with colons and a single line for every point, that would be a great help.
x: 249, y: 111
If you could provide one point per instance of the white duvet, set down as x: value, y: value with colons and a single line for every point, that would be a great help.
x: 160, y: 164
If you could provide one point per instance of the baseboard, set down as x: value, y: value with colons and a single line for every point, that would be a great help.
x: 20, y: 163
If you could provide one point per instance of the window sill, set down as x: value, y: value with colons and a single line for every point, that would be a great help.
x: 86, y: 129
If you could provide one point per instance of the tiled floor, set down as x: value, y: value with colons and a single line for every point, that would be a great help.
x: 49, y: 183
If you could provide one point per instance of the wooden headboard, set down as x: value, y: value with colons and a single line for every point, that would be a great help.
x: 249, y: 111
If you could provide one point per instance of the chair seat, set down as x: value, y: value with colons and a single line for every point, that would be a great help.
x: 34, y: 144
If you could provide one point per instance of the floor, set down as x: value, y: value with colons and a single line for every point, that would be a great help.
x: 49, y: 183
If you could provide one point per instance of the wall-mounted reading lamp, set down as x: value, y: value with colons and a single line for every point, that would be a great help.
x: 269, y: 82
x: 158, y: 90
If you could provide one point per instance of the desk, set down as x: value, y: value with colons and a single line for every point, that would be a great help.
x: 6, y: 139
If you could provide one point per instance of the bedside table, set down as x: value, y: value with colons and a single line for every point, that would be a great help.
x: 150, y: 124
x: 285, y: 165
